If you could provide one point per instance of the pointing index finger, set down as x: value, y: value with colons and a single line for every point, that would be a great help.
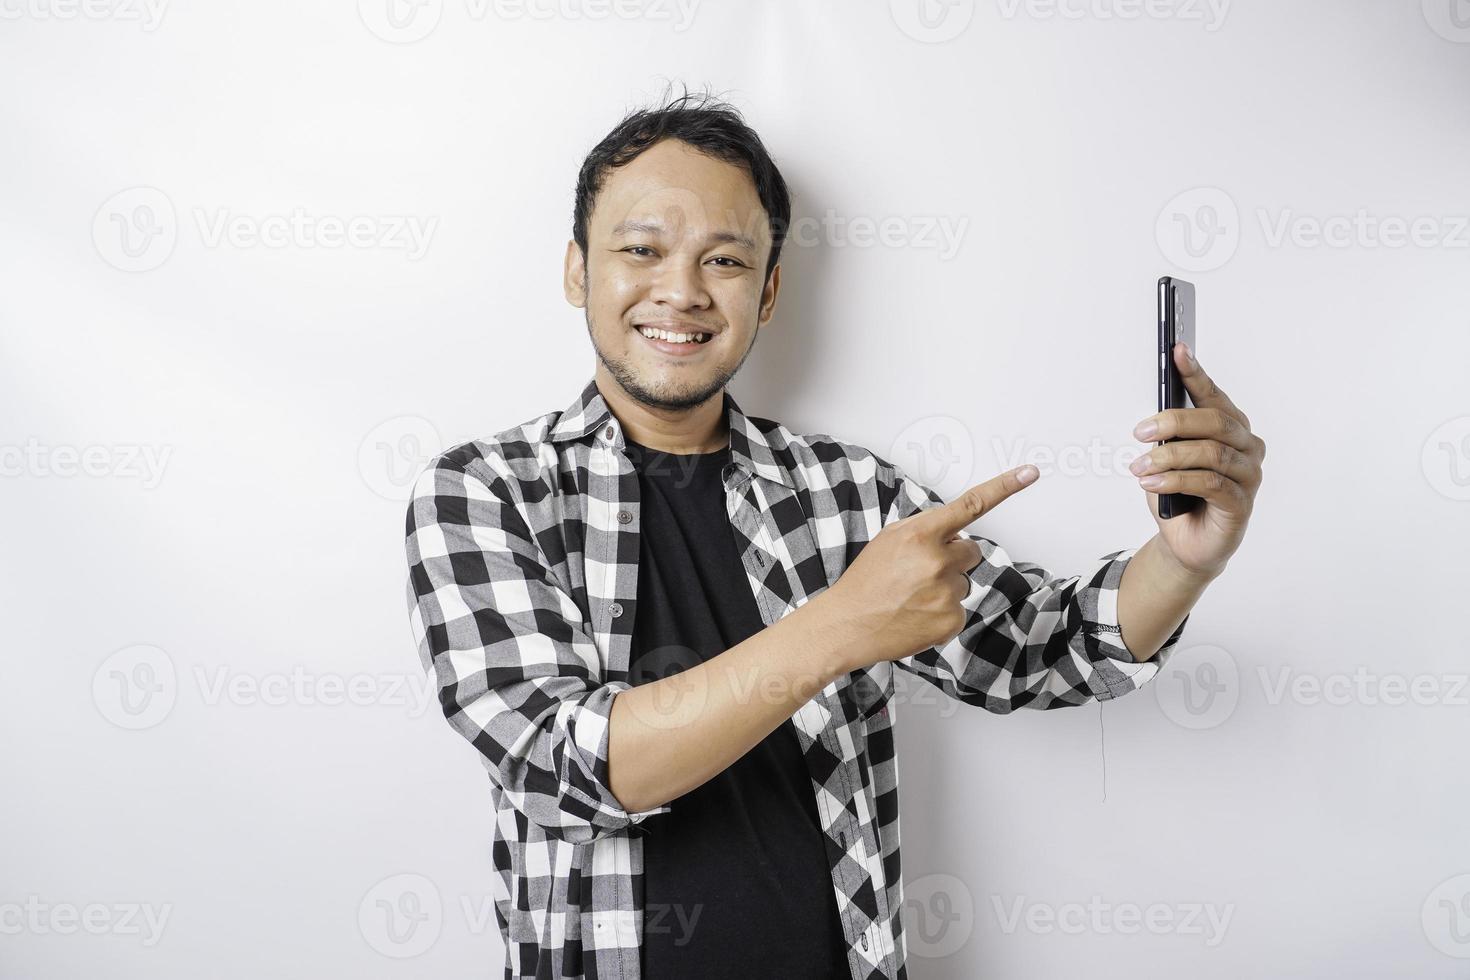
x: 961, y: 512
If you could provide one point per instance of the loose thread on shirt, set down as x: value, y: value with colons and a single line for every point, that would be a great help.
x: 1103, y: 745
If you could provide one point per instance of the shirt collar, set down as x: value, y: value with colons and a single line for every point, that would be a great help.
x: 749, y: 447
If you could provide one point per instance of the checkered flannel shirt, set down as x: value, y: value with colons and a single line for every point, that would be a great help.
x: 523, y: 583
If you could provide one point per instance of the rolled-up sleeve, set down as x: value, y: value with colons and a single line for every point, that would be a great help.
x: 1031, y: 639
x: 517, y: 671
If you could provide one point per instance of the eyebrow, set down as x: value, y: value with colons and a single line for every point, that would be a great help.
x: 631, y: 226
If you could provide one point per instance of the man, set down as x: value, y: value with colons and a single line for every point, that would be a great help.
x: 669, y: 628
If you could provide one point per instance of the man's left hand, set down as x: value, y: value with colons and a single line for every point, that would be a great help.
x: 1217, y: 457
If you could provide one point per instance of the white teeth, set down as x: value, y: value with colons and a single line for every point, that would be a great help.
x: 654, y: 333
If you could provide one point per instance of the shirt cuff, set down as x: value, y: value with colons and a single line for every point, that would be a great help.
x: 600, y: 751
x: 1101, y: 631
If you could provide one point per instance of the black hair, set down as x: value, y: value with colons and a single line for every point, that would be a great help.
x: 706, y: 123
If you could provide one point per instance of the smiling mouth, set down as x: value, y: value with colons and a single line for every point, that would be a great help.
x: 674, y: 339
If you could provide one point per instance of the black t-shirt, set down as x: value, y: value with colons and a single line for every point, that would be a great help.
x: 744, y: 851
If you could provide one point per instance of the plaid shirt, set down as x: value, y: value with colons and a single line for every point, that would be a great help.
x: 523, y: 582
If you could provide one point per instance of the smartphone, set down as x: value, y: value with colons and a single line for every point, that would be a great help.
x: 1176, y: 323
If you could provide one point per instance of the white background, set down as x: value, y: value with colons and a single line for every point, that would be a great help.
x: 285, y: 393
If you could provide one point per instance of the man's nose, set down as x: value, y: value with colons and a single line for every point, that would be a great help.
x: 679, y: 284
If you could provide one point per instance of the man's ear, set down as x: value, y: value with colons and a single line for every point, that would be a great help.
x: 574, y: 275
x: 768, y: 296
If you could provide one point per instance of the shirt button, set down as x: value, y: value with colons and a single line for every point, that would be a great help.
x: 624, y: 517
x: 760, y: 559
x: 607, y: 433
x: 616, y: 609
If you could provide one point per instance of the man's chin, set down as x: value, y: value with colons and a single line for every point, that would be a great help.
x: 657, y: 389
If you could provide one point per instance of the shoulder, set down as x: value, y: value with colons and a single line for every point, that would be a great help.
x: 855, y: 476
x: 823, y: 460
x: 502, y: 463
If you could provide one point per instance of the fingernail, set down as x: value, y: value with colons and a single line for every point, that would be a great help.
x: 1147, y: 429
x: 1027, y: 473
x: 1151, y: 481
x: 1140, y: 464
x: 1189, y: 354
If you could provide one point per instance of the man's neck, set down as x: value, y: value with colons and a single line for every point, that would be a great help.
x: 700, y: 429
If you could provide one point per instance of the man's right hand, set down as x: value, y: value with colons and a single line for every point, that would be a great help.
x: 902, y: 593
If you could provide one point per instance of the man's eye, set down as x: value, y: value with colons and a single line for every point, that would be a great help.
x: 645, y: 248
x: 734, y: 263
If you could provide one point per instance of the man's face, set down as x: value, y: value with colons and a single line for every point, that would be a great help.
x: 676, y: 240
